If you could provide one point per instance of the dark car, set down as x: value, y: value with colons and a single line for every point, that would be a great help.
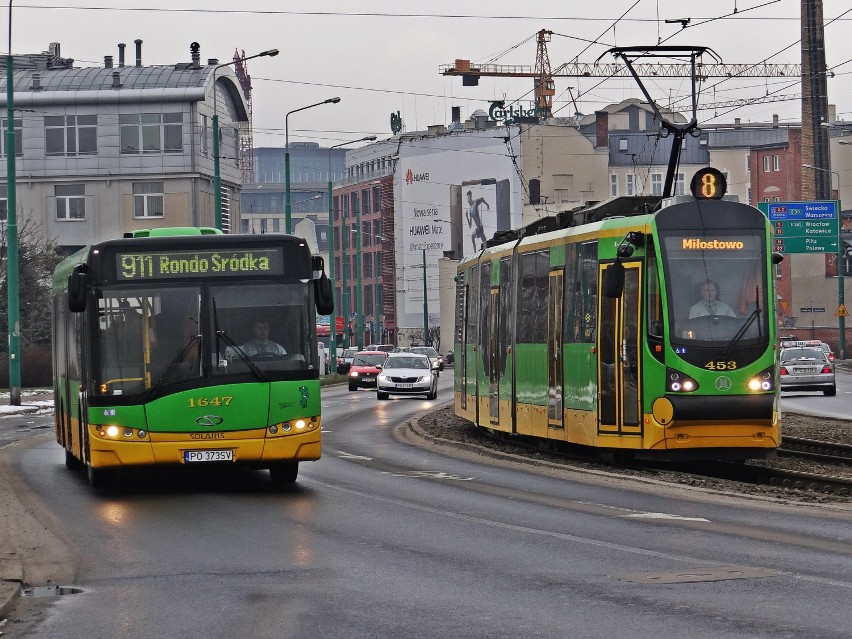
x: 366, y: 365
x: 345, y: 360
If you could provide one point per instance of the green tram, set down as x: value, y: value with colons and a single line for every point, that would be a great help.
x: 156, y: 356
x: 642, y: 326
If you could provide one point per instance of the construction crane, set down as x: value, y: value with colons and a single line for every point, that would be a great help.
x: 246, y: 138
x: 544, y: 87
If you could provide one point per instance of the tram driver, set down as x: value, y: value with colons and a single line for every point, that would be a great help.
x: 710, y: 304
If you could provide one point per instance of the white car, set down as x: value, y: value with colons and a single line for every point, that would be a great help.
x: 407, y: 374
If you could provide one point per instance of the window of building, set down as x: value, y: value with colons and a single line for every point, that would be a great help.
x: 70, y: 201
x: 679, y: 184
x: 244, y: 225
x: 367, y: 234
x: 276, y: 226
x: 4, y: 204
x: 629, y: 185
x: 613, y: 185
x: 205, y: 134
x: 748, y: 195
x: 748, y: 164
x: 776, y: 162
x: 147, y: 199
x: 151, y: 132
x: 377, y: 199
x: 71, y: 134
x: 622, y: 144
x: 766, y: 164
x: 19, y: 137
x: 263, y: 224
x: 656, y: 183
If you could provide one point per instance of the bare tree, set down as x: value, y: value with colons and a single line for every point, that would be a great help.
x: 38, y: 256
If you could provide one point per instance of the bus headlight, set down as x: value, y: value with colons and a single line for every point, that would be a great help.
x: 677, y: 382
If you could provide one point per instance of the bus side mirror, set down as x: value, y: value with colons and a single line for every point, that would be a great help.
x: 613, y: 284
x: 777, y: 258
x: 323, y: 295
x: 78, y: 284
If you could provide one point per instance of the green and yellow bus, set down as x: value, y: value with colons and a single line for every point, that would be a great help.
x: 187, y: 346
x: 642, y: 326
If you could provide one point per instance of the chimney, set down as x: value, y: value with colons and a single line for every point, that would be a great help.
x: 116, y: 79
x: 212, y: 61
x: 456, y: 114
x: 195, y: 50
x: 138, y: 52
x: 737, y: 123
x: 107, y: 62
x: 121, y: 46
x: 36, y: 81
x: 775, y: 120
x: 601, y: 129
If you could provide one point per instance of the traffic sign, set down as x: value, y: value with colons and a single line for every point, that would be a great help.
x: 841, y: 311
x: 803, y: 227
x: 338, y: 324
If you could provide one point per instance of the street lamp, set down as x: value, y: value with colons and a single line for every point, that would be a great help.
x: 288, y: 227
x: 332, y: 346
x: 359, y: 268
x: 217, y: 177
x: 841, y: 319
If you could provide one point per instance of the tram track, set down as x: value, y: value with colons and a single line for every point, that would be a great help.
x: 806, y: 469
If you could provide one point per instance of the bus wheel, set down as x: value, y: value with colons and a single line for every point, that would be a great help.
x: 98, y: 477
x: 284, y: 473
x: 71, y: 462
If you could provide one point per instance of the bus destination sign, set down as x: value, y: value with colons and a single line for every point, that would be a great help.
x: 154, y: 265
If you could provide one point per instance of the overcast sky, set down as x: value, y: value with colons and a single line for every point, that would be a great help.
x: 382, y: 56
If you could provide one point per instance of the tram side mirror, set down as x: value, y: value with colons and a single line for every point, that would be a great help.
x: 613, y: 284
x: 777, y: 258
x: 78, y: 283
x: 323, y: 295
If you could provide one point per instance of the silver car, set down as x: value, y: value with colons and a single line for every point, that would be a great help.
x: 807, y: 368
x: 431, y: 353
x: 407, y: 374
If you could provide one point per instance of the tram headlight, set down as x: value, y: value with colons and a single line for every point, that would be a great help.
x: 763, y: 381
x: 112, y: 431
x: 677, y: 382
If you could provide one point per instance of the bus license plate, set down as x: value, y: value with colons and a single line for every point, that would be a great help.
x: 405, y: 385
x: 208, y: 455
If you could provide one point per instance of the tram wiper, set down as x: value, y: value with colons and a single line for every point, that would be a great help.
x: 242, y: 354
x: 175, y: 362
x: 749, y: 321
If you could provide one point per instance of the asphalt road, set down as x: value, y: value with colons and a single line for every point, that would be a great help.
x: 382, y: 538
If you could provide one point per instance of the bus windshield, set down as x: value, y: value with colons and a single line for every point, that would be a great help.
x: 714, y: 286
x: 180, y: 333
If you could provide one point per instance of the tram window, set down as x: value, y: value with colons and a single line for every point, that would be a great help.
x: 654, y: 303
x: 532, y: 297
x: 572, y: 318
x: 589, y: 290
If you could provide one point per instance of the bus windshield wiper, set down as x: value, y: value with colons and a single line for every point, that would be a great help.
x: 242, y: 354
x: 749, y: 321
x: 174, y: 363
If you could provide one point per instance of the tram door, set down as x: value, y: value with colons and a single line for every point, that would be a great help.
x: 493, y: 356
x: 619, y: 368
x: 554, y: 350
x: 462, y: 300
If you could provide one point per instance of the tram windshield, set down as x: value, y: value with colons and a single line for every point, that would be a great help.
x: 715, y: 284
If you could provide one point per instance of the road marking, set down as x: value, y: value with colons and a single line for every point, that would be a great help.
x: 664, y: 516
x: 428, y: 474
x: 344, y: 455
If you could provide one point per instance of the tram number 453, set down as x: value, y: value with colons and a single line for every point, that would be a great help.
x: 720, y: 366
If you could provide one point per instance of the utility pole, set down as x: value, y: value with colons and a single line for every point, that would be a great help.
x: 426, y: 340
x: 12, y: 233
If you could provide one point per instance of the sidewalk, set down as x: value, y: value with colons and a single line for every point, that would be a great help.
x: 33, y: 400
